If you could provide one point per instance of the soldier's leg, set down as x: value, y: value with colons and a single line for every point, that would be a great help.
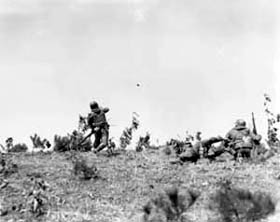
x: 189, y: 155
x: 267, y: 154
x: 246, y: 153
x: 209, y: 149
x: 97, y: 140
x: 104, y: 140
x: 219, y: 150
x: 236, y: 154
x: 216, y: 151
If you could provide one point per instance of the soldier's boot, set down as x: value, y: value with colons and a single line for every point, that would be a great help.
x: 235, y: 155
x: 96, y: 144
x: 100, y: 147
x: 239, y: 156
x: 218, y: 151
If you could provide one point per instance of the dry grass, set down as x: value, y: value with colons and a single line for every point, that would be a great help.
x: 126, y: 182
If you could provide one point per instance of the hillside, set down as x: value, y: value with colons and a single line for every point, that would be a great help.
x: 123, y: 185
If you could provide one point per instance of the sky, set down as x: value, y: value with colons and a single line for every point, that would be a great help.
x: 201, y: 64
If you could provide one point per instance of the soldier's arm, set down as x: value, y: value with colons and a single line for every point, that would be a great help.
x: 89, y: 116
x: 255, y: 137
x: 228, y: 135
x: 227, y: 139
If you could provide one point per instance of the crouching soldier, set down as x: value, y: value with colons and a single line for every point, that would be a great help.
x: 191, y: 154
x: 9, y: 144
x: 99, y: 125
x: 241, y: 140
x: 207, y: 148
x: 211, y: 148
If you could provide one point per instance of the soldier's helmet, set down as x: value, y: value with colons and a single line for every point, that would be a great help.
x: 240, y: 123
x: 9, y: 140
x: 75, y: 133
x: 93, y: 105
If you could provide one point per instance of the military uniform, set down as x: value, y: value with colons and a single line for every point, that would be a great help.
x: 9, y: 143
x: 98, y: 123
x: 191, y: 154
x: 207, y: 148
x: 241, y: 140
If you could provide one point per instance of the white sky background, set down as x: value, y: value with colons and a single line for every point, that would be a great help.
x: 201, y: 64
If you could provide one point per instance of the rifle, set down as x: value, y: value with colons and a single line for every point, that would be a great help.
x: 89, y: 135
x: 85, y: 138
x: 254, y: 124
x: 253, y: 153
x: 99, y: 124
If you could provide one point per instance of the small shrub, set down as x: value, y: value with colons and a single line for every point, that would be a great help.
x: 179, y: 146
x: 20, y: 147
x: 237, y: 205
x: 169, y: 205
x: 126, y: 136
x: 167, y: 150
x: 143, y: 143
x: 83, y: 124
x: 83, y: 169
x: 7, y: 167
x: 111, y: 146
x: 61, y: 143
x: 272, y: 119
x: 10, y: 169
x: 39, y: 143
x: 37, y: 200
x: 71, y: 142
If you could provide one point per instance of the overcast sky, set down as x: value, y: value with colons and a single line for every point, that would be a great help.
x: 201, y: 64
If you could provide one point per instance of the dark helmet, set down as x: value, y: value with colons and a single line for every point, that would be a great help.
x: 240, y: 123
x: 94, y: 105
x: 10, y: 139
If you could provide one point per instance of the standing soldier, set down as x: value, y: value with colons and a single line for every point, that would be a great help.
x: 99, y: 125
x: 9, y: 143
x: 241, y: 140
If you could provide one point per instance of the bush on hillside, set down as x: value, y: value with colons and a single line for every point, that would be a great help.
x: 20, y: 147
x: 169, y: 205
x: 67, y: 143
x: 7, y: 166
x: 82, y: 168
x: 39, y: 143
x: 238, y: 205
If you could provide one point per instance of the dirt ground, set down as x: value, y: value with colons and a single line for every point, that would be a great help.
x: 125, y: 183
